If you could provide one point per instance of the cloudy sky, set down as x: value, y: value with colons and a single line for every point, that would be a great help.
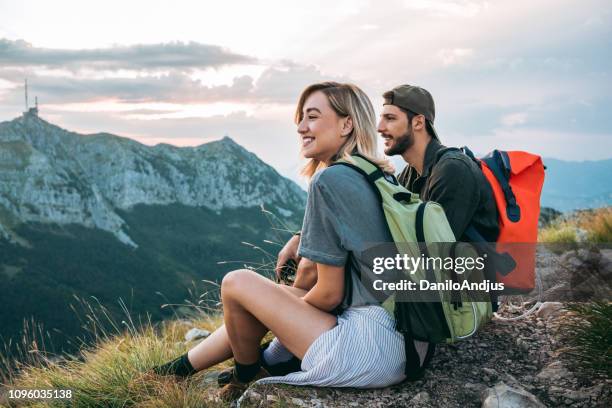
x: 523, y: 74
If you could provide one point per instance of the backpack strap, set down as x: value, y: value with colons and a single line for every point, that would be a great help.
x: 413, y: 369
x: 374, y: 174
x: 499, y: 164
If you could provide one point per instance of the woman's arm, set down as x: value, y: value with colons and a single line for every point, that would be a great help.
x: 328, y: 292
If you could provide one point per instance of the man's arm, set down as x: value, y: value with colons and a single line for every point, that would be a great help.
x: 454, y: 187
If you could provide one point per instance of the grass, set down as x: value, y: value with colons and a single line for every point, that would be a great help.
x: 114, y: 371
x: 590, y: 336
x: 593, y: 226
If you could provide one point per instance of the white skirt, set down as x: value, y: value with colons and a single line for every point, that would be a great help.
x: 364, y: 350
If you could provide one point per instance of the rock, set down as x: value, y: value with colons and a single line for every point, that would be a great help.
x: 577, y: 395
x: 196, y: 334
x: 298, y: 402
x: 271, y: 398
x: 548, y: 309
x: 510, y: 380
x: 490, y: 373
x: 252, y: 396
x: 475, y: 389
x: 554, y: 372
x: 421, y: 398
x: 316, y: 403
x: 504, y: 396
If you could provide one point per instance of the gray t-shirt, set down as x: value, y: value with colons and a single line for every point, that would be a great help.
x: 344, y: 219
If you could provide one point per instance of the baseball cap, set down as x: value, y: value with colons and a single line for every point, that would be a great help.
x: 414, y: 99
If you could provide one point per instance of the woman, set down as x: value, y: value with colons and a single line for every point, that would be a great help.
x: 337, y: 328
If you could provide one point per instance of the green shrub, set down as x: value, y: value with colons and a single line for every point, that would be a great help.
x: 590, y: 336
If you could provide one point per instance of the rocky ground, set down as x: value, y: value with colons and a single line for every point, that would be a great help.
x: 508, y: 364
x: 517, y: 363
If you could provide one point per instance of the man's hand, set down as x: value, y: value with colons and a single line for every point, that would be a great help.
x: 289, y: 251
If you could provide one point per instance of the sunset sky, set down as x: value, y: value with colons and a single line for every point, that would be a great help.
x: 529, y: 75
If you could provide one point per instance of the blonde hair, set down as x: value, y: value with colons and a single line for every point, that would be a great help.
x: 347, y: 100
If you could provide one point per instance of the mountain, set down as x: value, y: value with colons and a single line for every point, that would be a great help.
x: 576, y: 185
x: 105, y: 216
x: 568, y: 185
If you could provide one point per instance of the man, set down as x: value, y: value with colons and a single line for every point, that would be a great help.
x: 447, y: 177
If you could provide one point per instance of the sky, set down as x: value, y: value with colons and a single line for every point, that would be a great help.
x: 516, y: 75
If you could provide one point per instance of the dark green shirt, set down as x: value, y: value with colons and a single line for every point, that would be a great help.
x: 458, y: 185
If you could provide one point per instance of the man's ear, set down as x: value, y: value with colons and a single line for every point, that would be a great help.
x: 418, y: 122
x: 347, y: 127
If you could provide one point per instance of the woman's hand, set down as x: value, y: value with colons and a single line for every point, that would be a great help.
x: 328, y: 292
x: 289, y: 251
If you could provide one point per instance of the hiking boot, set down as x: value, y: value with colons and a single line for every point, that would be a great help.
x: 276, y: 370
x: 235, y: 388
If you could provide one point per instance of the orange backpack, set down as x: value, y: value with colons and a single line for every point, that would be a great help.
x: 516, y: 179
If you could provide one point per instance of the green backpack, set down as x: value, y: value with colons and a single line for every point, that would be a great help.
x: 413, y: 224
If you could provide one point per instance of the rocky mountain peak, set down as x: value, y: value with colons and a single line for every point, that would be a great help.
x: 52, y: 175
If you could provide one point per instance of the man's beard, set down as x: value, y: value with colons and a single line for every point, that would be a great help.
x: 402, y: 143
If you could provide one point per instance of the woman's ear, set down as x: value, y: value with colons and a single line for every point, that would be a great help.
x: 347, y: 126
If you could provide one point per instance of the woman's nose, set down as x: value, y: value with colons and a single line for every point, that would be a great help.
x: 302, y: 127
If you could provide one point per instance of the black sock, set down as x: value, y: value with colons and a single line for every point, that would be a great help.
x: 246, y: 372
x: 180, y: 366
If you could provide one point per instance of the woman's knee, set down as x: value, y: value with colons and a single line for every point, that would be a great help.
x: 235, y: 281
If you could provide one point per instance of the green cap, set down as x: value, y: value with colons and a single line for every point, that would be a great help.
x: 414, y: 99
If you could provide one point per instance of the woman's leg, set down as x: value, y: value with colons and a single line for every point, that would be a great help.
x: 252, y: 305
x: 216, y: 347
x: 212, y: 350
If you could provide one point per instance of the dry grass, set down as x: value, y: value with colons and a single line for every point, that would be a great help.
x: 114, y: 373
x: 593, y: 226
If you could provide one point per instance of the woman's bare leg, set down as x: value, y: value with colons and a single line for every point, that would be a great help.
x: 216, y: 347
x: 212, y: 350
x: 252, y: 305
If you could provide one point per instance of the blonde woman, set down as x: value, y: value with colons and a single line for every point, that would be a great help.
x: 337, y: 328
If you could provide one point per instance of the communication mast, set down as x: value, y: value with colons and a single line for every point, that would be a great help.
x: 30, y: 111
x: 26, y: 94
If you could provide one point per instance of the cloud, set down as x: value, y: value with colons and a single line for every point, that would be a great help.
x: 455, y: 55
x: 185, y: 55
x: 459, y: 8
x: 284, y: 84
x: 514, y: 119
x: 277, y: 84
x: 175, y: 87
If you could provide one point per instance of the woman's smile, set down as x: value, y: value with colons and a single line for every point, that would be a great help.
x: 306, y: 140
